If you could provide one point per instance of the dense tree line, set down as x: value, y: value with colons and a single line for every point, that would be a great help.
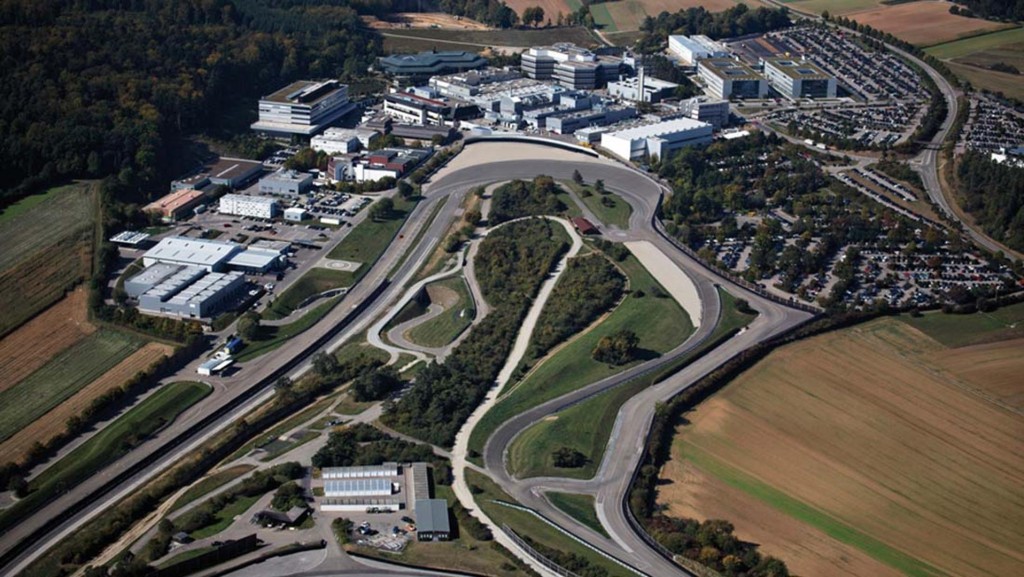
x: 589, y: 286
x: 257, y: 484
x: 520, y: 198
x: 492, y: 12
x: 735, y: 21
x: 712, y: 543
x: 578, y: 564
x: 991, y: 9
x: 512, y: 263
x: 362, y: 444
x: 376, y: 384
x: 994, y: 194
x: 110, y: 87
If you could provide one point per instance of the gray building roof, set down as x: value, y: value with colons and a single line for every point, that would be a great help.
x: 192, y: 251
x: 431, y: 63
x: 432, y: 516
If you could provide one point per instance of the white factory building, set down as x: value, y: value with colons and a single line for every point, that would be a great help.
x: 714, y: 112
x: 799, y: 78
x: 695, y: 48
x: 654, y: 90
x: 343, y: 140
x: 286, y: 182
x: 245, y: 205
x: 660, y: 138
x: 303, y: 108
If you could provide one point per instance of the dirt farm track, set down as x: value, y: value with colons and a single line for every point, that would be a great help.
x: 850, y: 498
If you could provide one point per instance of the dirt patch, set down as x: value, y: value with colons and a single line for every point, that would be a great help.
x: 551, y: 7
x: 806, y: 550
x: 860, y: 426
x: 442, y: 296
x: 52, y: 423
x: 36, y: 342
x: 403, y: 20
x: 924, y: 23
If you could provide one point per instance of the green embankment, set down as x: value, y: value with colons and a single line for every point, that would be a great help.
x: 211, y: 483
x: 579, y: 507
x: 660, y: 324
x: 271, y: 337
x: 447, y: 326
x: 586, y: 427
x: 106, y: 446
x: 314, y: 282
x: 61, y: 377
x: 964, y: 330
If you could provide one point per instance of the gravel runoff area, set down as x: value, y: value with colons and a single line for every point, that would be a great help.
x: 676, y: 282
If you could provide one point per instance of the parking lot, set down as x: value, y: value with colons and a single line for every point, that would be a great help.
x: 992, y: 125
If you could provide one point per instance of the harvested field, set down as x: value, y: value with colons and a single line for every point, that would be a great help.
x: 924, y: 23
x: 47, y: 249
x: 820, y: 452
x: 994, y: 368
x: 404, y: 20
x: 835, y: 7
x: 52, y: 423
x: 33, y: 344
x: 1011, y: 85
x: 551, y: 7
x: 62, y: 377
x: 966, y: 47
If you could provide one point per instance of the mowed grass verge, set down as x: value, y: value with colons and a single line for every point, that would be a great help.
x: 659, y: 322
x: 211, y: 483
x: 964, y: 330
x: 830, y: 438
x: 61, y: 377
x: 586, y: 427
x: 447, y: 326
x: 273, y: 336
x: 109, y: 444
x: 314, y: 282
x: 579, y: 507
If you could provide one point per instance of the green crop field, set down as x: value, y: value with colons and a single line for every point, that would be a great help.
x: 444, y: 328
x: 968, y: 46
x: 659, y: 322
x: 61, y: 377
x: 579, y: 507
x: 834, y: 7
x: 971, y: 58
x: 586, y: 427
x: 47, y: 249
x: 964, y: 330
x: 110, y: 443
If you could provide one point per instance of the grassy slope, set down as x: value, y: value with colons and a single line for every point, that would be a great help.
x: 961, y: 48
x: 586, y: 427
x: 275, y: 336
x: 63, y: 376
x: 579, y: 507
x: 211, y: 483
x: 315, y: 281
x: 104, y: 447
x: 444, y: 328
x: 659, y: 322
x: 963, y: 330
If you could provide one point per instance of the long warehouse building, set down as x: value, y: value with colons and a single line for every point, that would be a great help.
x: 659, y: 139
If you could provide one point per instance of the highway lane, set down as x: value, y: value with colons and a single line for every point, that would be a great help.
x: 626, y: 445
x: 52, y: 522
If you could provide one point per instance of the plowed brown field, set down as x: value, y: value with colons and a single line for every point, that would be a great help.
x: 52, y: 423
x: 39, y: 340
x: 857, y: 452
x: 924, y: 23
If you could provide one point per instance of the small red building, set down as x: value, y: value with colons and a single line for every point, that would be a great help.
x: 584, y: 226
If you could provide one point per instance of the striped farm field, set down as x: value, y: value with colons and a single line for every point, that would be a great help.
x: 63, y: 376
x: 924, y: 23
x: 47, y: 249
x: 874, y: 450
x: 53, y: 422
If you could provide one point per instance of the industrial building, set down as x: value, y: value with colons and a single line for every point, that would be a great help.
x: 344, y: 140
x: 568, y: 122
x: 693, y: 49
x: 704, y: 109
x: 245, y: 205
x: 295, y: 214
x: 465, y: 85
x: 389, y: 162
x: 359, y: 487
x: 233, y: 173
x: 178, y: 204
x: 416, y: 67
x: 385, y: 470
x: 659, y: 139
x: 303, y: 108
x: 131, y: 238
x: 570, y: 66
x: 210, y: 255
x: 286, y: 182
x: 415, y: 109
x: 255, y: 260
x: 727, y: 78
x: 192, y: 293
x: 799, y: 78
x: 654, y: 90
x: 432, y: 523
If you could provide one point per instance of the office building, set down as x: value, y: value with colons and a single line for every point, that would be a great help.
x: 568, y: 122
x: 659, y: 139
x: 704, y: 109
x: 285, y: 182
x: 411, y: 108
x: 799, y: 78
x: 726, y: 78
x: 390, y: 162
x: 693, y: 49
x: 303, y: 108
x: 178, y: 204
x: 570, y: 66
x: 344, y: 140
x: 465, y: 85
x: 245, y: 205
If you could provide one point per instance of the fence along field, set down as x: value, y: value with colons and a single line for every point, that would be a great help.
x: 918, y: 471
x: 63, y: 376
x: 47, y: 249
